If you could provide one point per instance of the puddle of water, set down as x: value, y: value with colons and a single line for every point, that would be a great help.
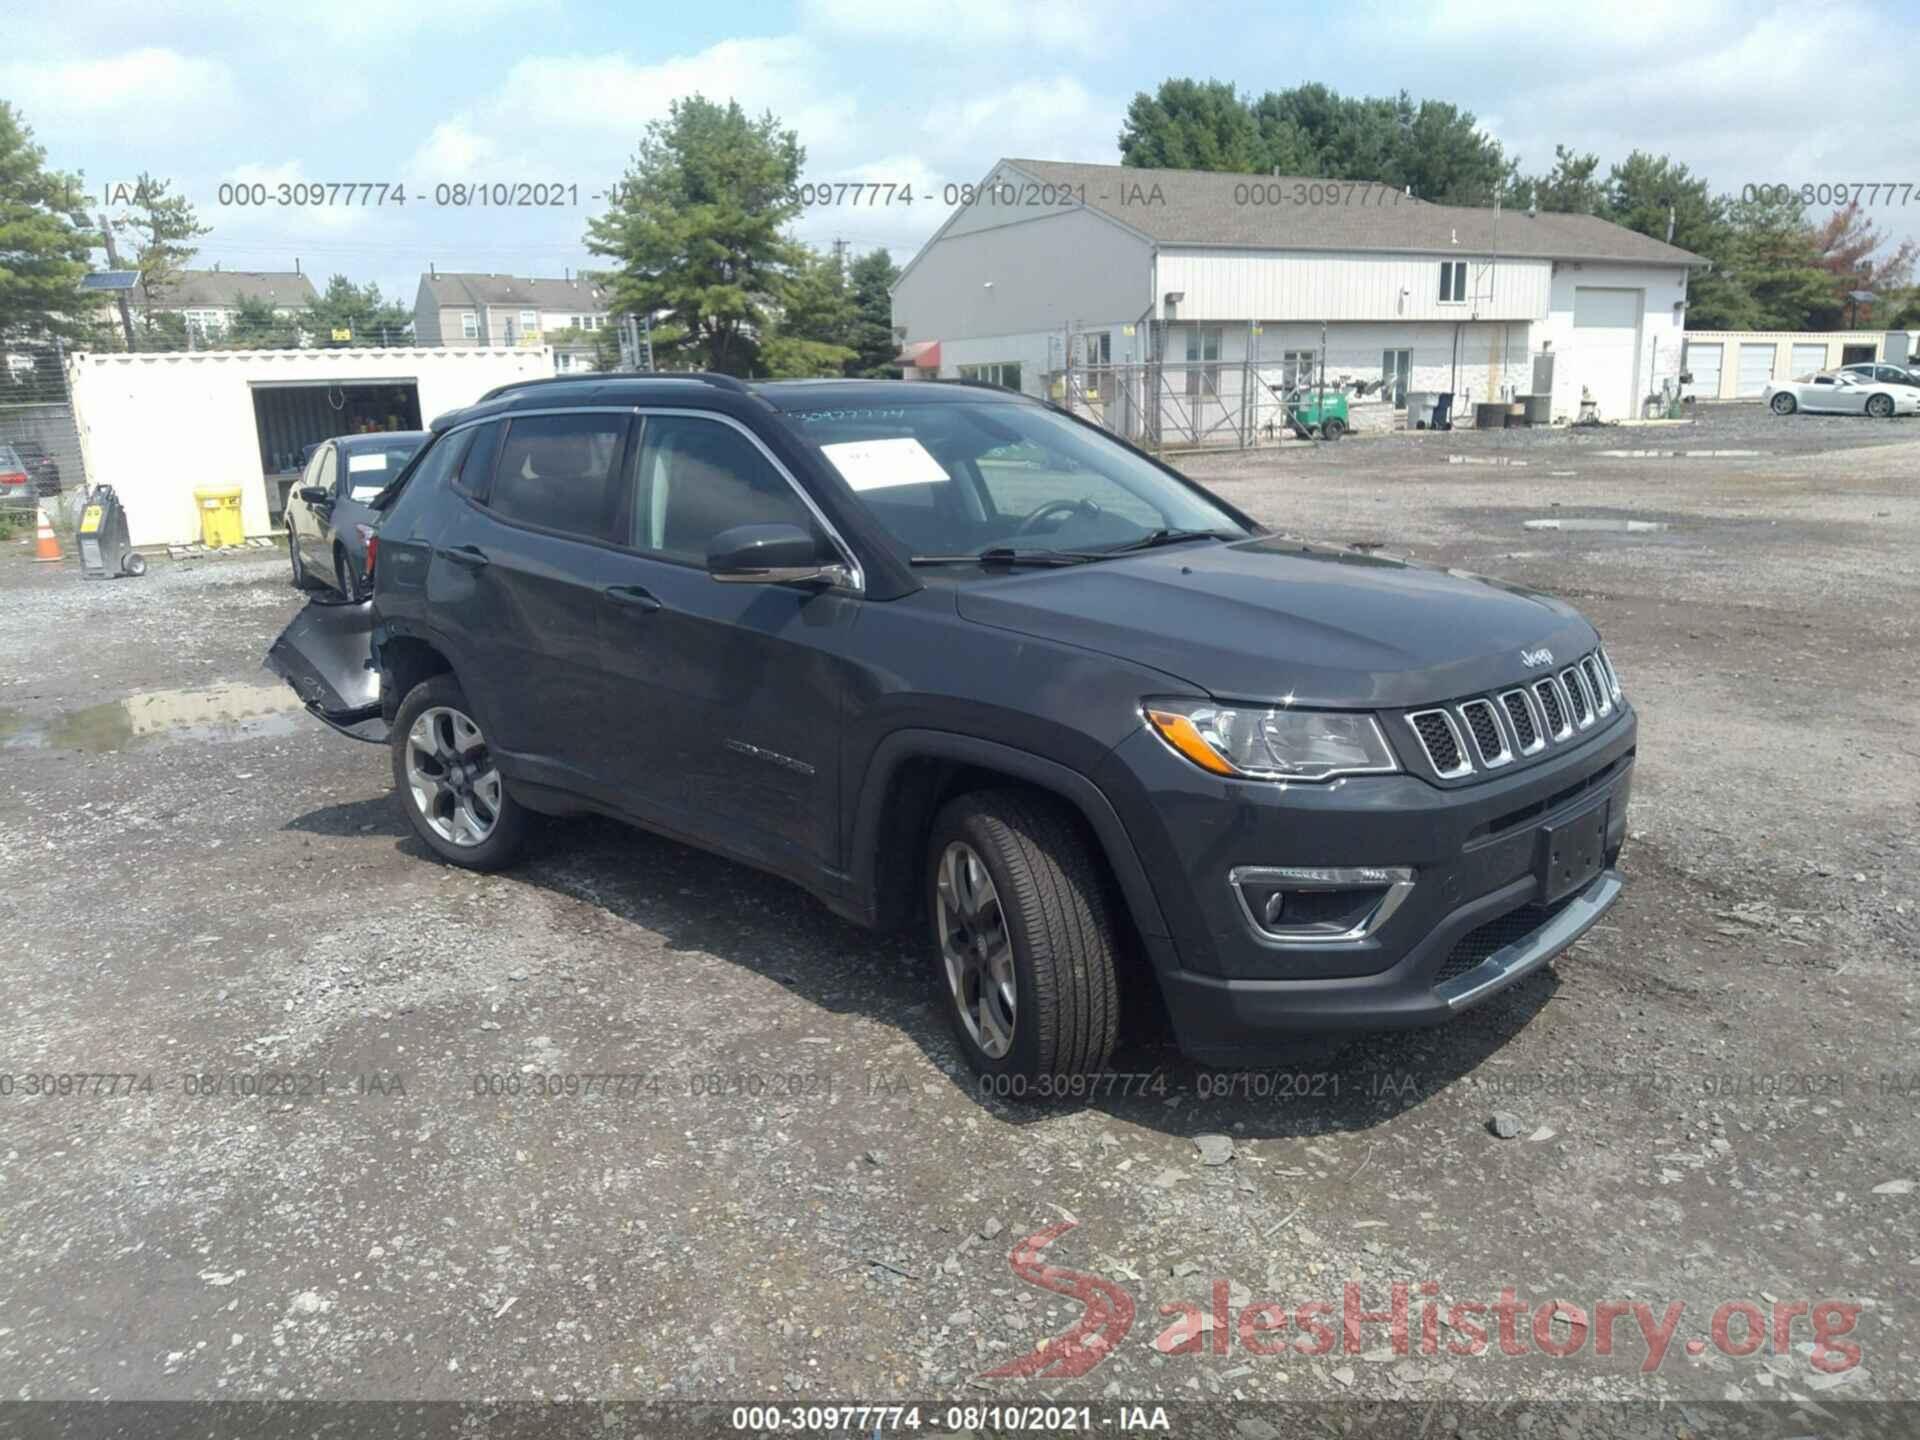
x: 1630, y: 527
x: 214, y: 712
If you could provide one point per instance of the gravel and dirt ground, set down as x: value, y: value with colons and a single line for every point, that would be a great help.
x: 786, y: 1187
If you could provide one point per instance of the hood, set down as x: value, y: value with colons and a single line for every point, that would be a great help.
x: 1275, y: 618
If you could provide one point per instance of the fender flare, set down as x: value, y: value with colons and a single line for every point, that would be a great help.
x: 1070, y: 785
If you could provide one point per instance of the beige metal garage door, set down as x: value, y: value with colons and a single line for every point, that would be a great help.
x: 1606, y: 348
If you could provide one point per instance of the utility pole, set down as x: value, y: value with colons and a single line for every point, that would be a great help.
x: 840, y: 255
x: 113, y: 263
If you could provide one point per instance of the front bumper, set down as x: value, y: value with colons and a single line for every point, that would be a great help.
x: 1475, y: 921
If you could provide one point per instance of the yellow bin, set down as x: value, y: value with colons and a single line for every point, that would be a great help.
x: 220, y: 516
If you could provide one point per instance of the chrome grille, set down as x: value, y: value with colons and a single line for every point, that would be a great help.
x: 1442, y: 741
x: 1613, y: 675
x: 1558, y: 726
x: 1576, y: 689
x: 1486, y: 732
x: 1520, y: 717
x: 1488, y: 740
x: 1597, y: 685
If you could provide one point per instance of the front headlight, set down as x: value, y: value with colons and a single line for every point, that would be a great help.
x: 1255, y: 744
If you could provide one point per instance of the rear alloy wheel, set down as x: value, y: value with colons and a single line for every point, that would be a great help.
x: 1025, y: 945
x: 1880, y: 407
x: 449, y: 783
x: 1784, y: 404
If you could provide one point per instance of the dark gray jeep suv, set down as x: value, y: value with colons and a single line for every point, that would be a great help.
x: 943, y: 654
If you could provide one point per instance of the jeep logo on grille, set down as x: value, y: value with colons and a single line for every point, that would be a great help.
x: 1534, y: 659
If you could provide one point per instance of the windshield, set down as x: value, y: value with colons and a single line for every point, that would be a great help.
x: 958, y: 479
x: 370, y: 471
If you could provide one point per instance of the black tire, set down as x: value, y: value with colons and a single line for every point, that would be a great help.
x: 1332, y: 429
x: 135, y: 564
x: 1880, y: 407
x: 1048, y: 886
x: 1783, y: 404
x: 508, y: 833
x: 301, y: 580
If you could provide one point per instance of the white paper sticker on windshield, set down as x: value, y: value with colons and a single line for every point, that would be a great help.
x: 881, y: 464
x: 374, y: 461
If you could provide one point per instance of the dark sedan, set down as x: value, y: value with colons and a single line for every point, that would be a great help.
x: 328, y: 519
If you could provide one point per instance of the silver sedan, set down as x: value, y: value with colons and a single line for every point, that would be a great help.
x: 1842, y: 393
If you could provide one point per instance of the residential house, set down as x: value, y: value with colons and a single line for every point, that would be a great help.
x: 454, y: 308
x: 208, y: 300
x: 1209, y: 290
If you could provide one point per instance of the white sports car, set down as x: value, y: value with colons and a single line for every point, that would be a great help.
x: 1842, y: 393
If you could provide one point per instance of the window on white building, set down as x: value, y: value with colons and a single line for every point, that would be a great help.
x: 1298, y: 367
x: 1453, y: 282
x: 1203, y: 345
x: 469, y: 325
x: 529, y: 322
x: 1005, y: 372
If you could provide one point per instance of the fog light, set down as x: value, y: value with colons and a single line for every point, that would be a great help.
x: 1318, y: 905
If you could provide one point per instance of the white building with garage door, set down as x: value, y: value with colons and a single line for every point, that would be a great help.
x: 1233, y: 284
x: 158, y: 426
x: 1739, y: 364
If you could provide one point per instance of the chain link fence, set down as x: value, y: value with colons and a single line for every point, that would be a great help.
x: 41, y: 462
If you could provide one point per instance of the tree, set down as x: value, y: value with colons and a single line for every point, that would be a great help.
x: 257, y: 326
x: 1436, y: 148
x: 1773, y: 261
x: 1850, y: 249
x: 814, y: 332
x: 697, y: 228
x: 1571, y: 187
x: 358, y: 310
x: 163, y: 227
x: 43, y: 244
x: 873, y: 277
x: 1191, y: 125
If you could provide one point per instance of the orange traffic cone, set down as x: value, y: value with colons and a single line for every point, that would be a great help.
x: 45, y: 546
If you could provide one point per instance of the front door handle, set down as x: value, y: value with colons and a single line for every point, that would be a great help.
x: 633, y: 597
x: 471, y: 557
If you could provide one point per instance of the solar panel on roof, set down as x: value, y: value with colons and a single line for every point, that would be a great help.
x: 110, y: 280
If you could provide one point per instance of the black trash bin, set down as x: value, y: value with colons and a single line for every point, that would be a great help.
x: 104, y: 547
x: 1443, y: 410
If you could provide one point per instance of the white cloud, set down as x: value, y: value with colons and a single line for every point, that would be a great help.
x: 454, y: 151
x: 611, y: 93
x: 153, y: 95
x: 1082, y: 27
x: 1057, y: 119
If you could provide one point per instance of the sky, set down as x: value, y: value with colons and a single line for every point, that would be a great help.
x: 430, y: 92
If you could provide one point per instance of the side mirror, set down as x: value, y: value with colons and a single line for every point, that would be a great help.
x: 313, y: 494
x: 772, y: 555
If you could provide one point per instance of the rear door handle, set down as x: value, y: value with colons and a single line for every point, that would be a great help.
x: 472, y: 557
x: 633, y: 597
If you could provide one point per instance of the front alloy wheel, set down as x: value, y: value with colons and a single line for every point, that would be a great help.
x: 451, y: 778
x: 977, y: 951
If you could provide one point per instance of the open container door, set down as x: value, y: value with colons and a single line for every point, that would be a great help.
x: 326, y: 655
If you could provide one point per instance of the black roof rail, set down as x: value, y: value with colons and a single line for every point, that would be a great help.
x: 710, y: 377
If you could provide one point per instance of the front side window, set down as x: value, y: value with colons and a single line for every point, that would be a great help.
x: 954, y: 479
x: 559, y: 472
x: 697, y: 478
x: 327, y: 473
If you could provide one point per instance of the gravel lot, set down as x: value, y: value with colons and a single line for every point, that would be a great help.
x: 1713, y: 1098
